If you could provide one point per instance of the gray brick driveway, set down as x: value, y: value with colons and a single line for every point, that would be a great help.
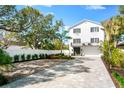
x: 82, y: 72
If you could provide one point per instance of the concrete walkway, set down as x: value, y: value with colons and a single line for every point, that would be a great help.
x: 82, y: 72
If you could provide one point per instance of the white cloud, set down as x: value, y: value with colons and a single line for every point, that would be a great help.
x: 95, y: 7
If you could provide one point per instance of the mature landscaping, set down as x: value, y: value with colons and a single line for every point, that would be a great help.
x: 113, y: 56
x: 23, y: 65
x: 31, y: 28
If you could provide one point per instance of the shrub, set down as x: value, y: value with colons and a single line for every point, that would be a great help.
x: 23, y: 57
x: 60, y: 54
x: 41, y: 56
x: 4, y: 58
x: 28, y: 57
x: 3, y: 80
x: 5, y: 61
x: 35, y: 56
x: 106, y: 49
x: 16, y: 58
x: 122, y: 64
x: 117, y: 57
x: 45, y: 56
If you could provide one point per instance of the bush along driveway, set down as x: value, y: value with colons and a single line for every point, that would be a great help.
x: 81, y: 72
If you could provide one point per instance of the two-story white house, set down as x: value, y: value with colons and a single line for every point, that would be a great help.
x: 84, y: 34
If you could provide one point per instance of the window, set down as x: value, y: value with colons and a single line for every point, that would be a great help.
x: 77, y: 30
x: 76, y: 40
x: 94, y: 40
x: 94, y: 29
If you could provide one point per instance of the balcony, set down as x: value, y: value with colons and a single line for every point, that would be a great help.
x: 76, y: 44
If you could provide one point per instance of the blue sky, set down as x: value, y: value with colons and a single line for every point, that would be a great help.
x: 71, y: 14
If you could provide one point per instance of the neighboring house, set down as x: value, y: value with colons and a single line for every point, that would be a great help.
x: 85, y: 33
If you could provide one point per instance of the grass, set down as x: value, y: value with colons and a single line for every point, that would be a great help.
x: 119, y: 78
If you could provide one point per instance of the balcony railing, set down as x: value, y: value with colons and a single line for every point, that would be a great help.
x: 76, y: 44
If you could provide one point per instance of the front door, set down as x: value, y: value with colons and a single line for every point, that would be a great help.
x: 76, y: 51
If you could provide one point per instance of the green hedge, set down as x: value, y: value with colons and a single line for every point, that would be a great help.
x: 28, y: 57
x: 5, y: 62
x: 40, y: 56
x: 16, y: 58
x: 4, y: 58
x: 23, y: 57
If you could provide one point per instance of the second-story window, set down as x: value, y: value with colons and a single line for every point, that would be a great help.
x: 94, y: 29
x: 77, y: 41
x: 77, y: 30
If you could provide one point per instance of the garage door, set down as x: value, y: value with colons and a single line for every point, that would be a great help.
x: 91, y: 50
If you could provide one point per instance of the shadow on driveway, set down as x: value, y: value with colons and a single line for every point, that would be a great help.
x: 71, y: 67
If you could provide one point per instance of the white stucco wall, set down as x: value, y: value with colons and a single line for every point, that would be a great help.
x: 13, y: 52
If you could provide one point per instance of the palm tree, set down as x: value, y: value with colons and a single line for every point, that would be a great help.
x: 63, y: 37
x: 107, y: 28
x: 121, y: 9
x: 113, y: 28
x: 116, y: 26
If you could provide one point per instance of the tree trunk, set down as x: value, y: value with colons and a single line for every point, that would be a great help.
x: 109, y: 50
x: 115, y: 41
x: 61, y: 47
x: 115, y: 44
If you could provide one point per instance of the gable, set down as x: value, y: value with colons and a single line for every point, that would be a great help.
x: 84, y: 21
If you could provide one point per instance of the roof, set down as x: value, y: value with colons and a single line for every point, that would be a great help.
x: 82, y: 21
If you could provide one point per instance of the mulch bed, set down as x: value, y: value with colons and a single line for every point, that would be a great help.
x: 120, y: 71
x: 110, y: 73
x: 27, y: 68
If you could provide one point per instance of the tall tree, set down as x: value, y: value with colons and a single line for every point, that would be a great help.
x: 114, y: 28
x: 14, y: 20
x: 117, y: 28
x: 121, y: 9
x: 42, y: 31
x: 63, y: 37
x: 30, y: 17
x: 7, y: 14
x: 107, y: 28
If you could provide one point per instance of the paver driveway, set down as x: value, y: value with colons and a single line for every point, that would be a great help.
x: 82, y: 72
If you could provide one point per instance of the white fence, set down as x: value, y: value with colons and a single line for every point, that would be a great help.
x: 13, y: 52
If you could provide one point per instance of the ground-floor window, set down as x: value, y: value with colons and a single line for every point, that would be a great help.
x: 94, y: 40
